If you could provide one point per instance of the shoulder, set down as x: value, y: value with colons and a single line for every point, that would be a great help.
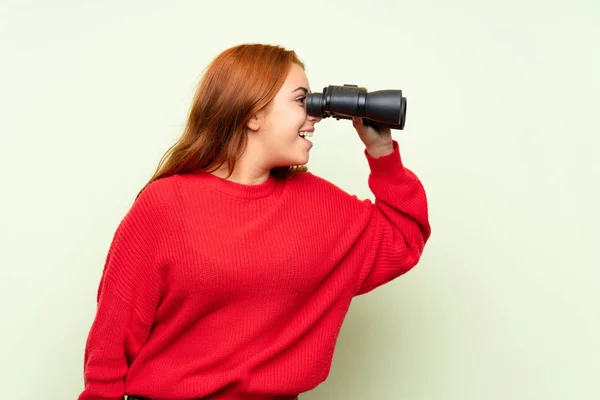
x: 308, y: 180
x: 311, y: 188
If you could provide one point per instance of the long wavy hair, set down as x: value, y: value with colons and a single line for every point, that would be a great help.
x: 239, y: 82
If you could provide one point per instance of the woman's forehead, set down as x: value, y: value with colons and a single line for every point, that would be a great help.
x: 296, y: 78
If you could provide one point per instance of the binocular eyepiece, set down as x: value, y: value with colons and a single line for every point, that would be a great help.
x: 382, y: 108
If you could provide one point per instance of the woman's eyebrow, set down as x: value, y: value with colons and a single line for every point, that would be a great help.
x: 305, y: 90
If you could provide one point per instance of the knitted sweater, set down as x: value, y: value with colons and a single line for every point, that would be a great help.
x: 218, y: 290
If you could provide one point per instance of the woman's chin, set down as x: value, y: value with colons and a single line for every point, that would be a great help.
x: 298, y: 162
x: 303, y: 161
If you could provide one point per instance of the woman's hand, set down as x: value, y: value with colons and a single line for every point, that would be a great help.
x: 377, y: 141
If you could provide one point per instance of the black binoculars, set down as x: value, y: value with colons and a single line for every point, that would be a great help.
x: 382, y: 108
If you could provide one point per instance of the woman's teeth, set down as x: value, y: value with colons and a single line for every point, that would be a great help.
x: 305, y: 134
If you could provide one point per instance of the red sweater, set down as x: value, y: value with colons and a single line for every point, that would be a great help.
x: 219, y: 290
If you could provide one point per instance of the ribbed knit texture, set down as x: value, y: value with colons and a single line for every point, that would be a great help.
x: 213, y: 289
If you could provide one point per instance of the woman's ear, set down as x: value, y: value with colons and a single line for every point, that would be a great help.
x: 254, y: 123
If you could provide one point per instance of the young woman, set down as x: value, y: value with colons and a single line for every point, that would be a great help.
x: 231, y: 274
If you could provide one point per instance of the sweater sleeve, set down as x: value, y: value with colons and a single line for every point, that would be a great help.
x: 399, y: 224
x: 127, y: 297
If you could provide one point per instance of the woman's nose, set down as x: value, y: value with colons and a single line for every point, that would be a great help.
x: 314, y: 119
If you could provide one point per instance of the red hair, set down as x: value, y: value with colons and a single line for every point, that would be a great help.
x: 238, y: 83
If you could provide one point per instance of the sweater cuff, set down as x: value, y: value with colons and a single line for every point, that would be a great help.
x: 386, y: 166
